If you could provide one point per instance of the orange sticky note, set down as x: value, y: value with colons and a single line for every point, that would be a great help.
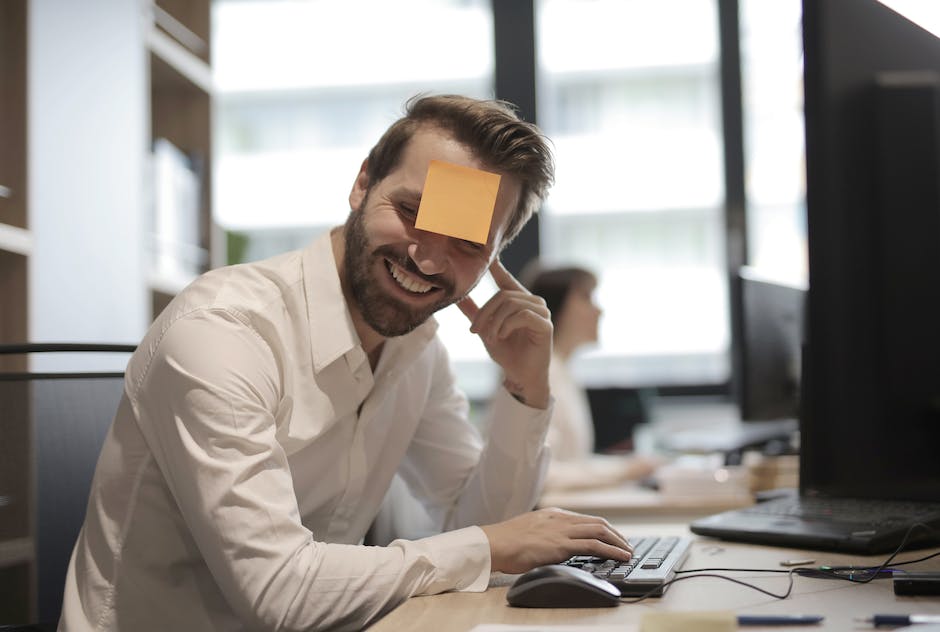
x: 458, y: 201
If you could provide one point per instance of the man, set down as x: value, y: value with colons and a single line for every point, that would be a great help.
x: 270, y: 405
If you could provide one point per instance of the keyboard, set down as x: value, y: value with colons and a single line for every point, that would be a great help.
x: 655, y: 561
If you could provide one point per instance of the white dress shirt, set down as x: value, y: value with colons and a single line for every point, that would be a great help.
x: 252, y: 448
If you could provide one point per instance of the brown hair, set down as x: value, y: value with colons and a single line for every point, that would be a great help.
x: 494, y: 133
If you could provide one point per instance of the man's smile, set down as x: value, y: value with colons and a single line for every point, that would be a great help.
x: 407, y: 281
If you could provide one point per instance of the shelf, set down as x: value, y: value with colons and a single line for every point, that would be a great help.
x: 16, y: 240
x: 176, y: 66
x: 177, y: 36
x: 18, y: 551
x: 169, y: 284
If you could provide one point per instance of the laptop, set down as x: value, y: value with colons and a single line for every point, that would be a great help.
x: 851, y: 525
x: 869, y: 479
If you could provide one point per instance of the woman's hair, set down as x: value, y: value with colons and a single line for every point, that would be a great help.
x: 491, y: 129
x: 554, y: 284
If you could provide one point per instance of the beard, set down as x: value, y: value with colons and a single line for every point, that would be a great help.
x: 385, y: 314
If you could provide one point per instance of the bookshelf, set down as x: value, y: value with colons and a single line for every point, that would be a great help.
x: 16, y: 242
x: 181, y: 96
x: 166, y: 93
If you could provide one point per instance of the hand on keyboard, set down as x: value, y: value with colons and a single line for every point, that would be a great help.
x: 550, y: 536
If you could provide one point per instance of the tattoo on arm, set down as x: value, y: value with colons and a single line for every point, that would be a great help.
x: 516, y: 390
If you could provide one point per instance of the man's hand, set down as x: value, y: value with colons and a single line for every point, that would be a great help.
x: 516, y: 329
x: 550, y: 536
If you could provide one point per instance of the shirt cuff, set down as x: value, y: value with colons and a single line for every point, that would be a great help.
x: 461, y: 558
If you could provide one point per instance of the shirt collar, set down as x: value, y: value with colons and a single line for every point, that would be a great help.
x: 332, y: 333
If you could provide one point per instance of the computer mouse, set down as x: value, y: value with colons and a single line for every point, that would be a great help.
x: 559, y: 586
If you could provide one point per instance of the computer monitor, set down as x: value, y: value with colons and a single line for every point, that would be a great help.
x: 768, y: 384
x: 871, y: 375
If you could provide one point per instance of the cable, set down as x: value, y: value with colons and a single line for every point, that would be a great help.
x: 742, y: 570
x: 724, y: 577
x: 823, y: 572
x: 873, y: 572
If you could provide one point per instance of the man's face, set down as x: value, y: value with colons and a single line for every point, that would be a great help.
x: 398, y: 275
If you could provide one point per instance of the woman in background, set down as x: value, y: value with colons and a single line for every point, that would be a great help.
x: 569, y: 295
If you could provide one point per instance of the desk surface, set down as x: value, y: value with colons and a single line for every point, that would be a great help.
x: 632, y: 504
x: 840, y: 602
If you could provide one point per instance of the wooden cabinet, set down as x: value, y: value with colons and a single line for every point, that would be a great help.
x: 15, y: 238
x: 181, y: 104
x: 16, y: 244
x: 168, y: 57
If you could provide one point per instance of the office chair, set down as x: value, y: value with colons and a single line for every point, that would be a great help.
x: 52, y: 426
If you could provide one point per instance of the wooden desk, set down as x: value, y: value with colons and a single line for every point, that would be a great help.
x: 632, y: 504
x: 840, y: 602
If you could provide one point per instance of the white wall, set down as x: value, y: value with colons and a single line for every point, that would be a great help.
x: 88, y: 117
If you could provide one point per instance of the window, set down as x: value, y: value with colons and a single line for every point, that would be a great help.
x: 305, y: 88
x: 629, y: 91
x: 775, y: 184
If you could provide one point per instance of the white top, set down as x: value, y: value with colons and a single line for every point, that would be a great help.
x: 574, y: 464
x: 252, y: 448
x: 571, y: 433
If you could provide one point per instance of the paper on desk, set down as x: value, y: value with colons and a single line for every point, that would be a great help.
x: 704, y: 621
x: 458, y: 201
x: 710, y: 621
x: 503, y: 627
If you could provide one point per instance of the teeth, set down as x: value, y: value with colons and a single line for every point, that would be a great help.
x: 407, y: 282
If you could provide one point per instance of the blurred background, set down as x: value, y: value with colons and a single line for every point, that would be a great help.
x: 144, y: 142
x: 630, y: 93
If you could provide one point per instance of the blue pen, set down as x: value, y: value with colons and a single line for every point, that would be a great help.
x: 779, y: 619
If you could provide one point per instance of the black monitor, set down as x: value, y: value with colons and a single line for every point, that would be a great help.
x: 768, y: 384
x: 871, y: 376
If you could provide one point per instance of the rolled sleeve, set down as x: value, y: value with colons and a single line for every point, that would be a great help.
x: 461, y: 559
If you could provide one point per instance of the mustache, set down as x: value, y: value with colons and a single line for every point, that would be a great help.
x: 404, y: 261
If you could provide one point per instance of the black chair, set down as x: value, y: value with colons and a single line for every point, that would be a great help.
x: 52, y: 425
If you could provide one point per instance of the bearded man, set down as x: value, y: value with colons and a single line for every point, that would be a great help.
x: 270, y: 405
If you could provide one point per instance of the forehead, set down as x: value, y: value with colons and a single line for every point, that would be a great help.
x: 431, y: 143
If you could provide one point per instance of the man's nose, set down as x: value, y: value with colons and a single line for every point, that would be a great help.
x: 429, y: 252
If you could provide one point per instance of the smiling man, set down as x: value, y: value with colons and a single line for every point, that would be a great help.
x: 271, y: 404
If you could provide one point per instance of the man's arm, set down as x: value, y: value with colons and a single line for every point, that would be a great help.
x: 516, y: 329
x: 206, y: 405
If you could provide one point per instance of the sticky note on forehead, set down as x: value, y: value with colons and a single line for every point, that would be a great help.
x: 458, y: 201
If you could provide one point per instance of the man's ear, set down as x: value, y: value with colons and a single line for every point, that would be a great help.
x: 360, y: 187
